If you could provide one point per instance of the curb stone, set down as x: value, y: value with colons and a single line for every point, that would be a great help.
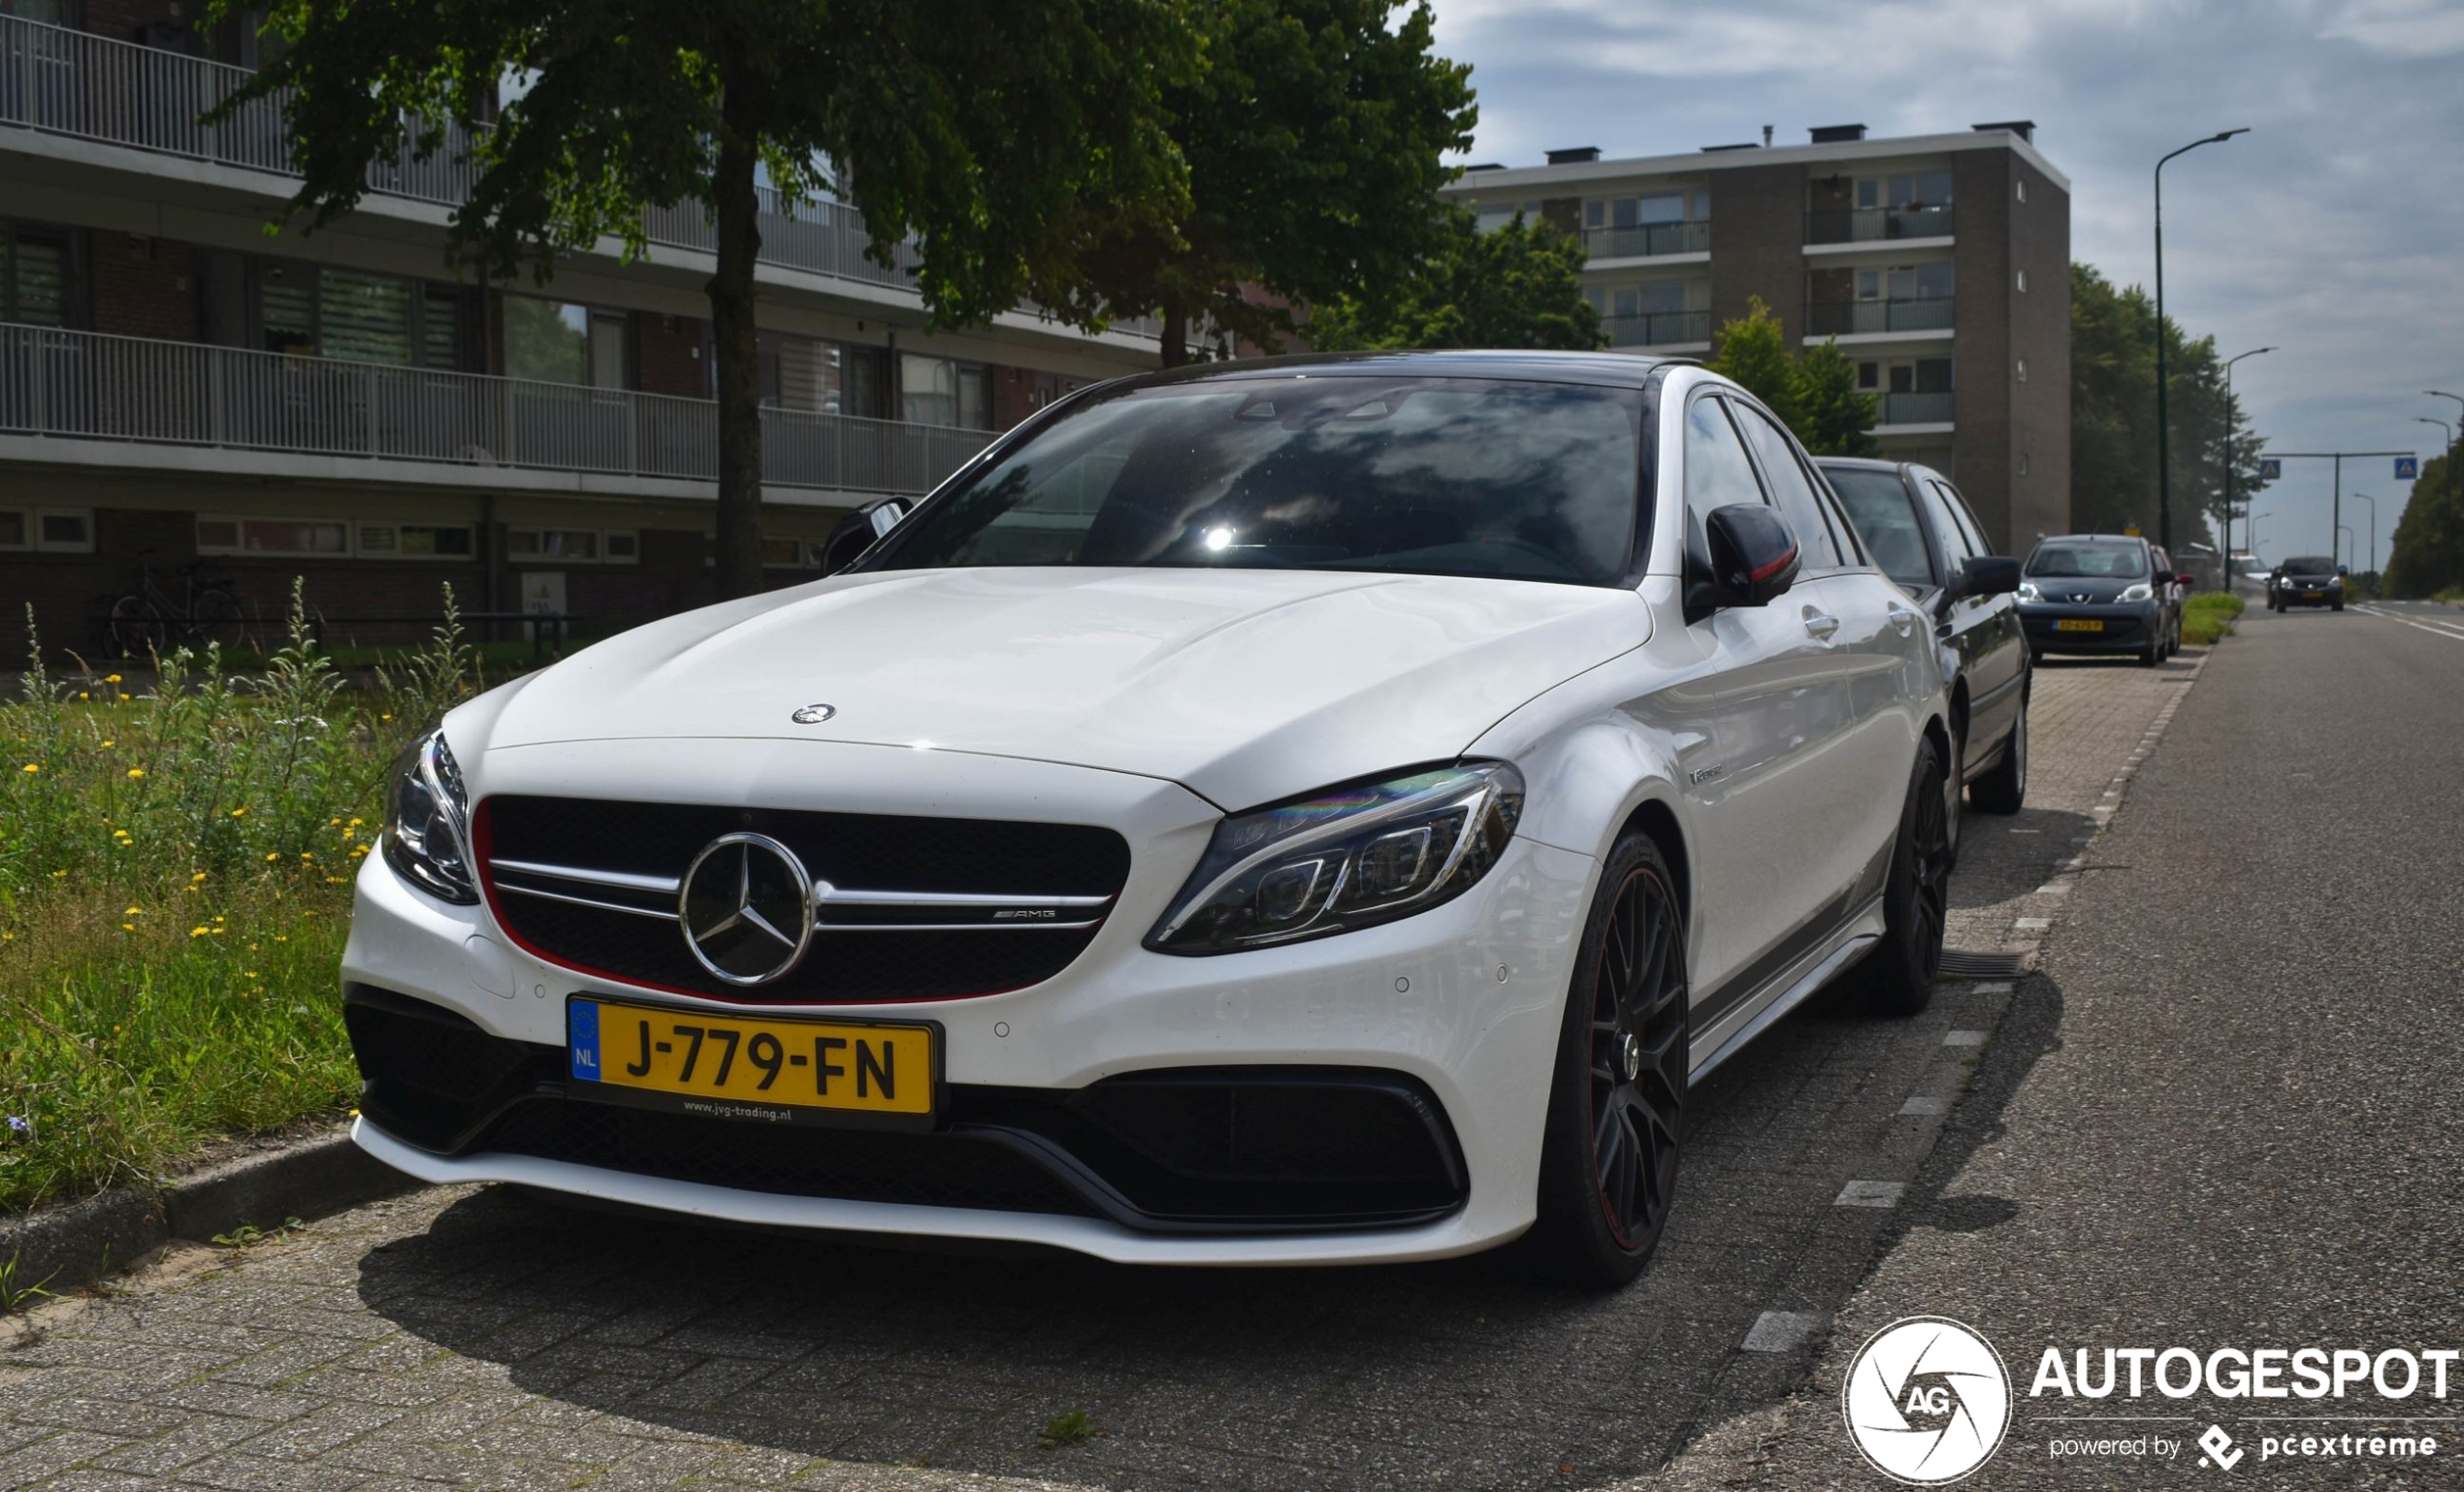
x: 77, y: 1243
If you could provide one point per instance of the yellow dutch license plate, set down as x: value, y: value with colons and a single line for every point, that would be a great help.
x: 2079, y: 625
x: 2310, y: 595
x: 766, y: 1069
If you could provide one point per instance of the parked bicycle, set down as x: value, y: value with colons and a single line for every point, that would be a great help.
x: 205, y: 611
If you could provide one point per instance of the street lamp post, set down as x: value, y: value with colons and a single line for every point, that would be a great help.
x: 2370, y: 567
x: 2164, y: 432
x: 2229, y: 462
x: 2454, y: 478
x: 2253, y: 532
x: 2343, y: 539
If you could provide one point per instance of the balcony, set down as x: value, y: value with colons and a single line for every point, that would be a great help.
x: 73, y: 83
x: 1930, y: 409
x: 1857, y: 318
x: 1644, y: 241
x: 1878, y: 225
x: 1658, y: 329
x: 86, y: 386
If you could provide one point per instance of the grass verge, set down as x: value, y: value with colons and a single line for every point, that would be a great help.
x: 175, y: 894
x: 2207, y: 618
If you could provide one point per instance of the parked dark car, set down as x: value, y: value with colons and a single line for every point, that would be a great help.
x: 2096, y: 593
x: 2306, y: 580
x: 1922, y: 534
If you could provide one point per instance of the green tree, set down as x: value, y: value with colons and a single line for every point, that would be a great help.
x: 1833, y: 417
x: 1515, y: 286
x: 1313, y: 138
x: 1753, y: 350
x: 2427, y: 555
x: 1009, y: 138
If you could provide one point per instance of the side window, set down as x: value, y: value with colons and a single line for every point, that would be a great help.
x: 1955, y: 544
x: 1969, y: 529
x: 1716, y: 471
x: 1879, y: 502
x: 1792, y: 486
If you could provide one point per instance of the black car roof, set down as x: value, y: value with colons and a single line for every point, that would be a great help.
x: 1615, y: 370
x: 2108, y: 539
x: 1862, y: 463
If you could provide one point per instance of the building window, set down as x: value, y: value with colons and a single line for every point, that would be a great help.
x: 937, y: 391
x: 220, y: 533
x: 50, y: 530
x: 559, y: 341
x: 620, y: 546
x: 304, y: 311
x: 416, y: 542
x: 2023, y: 462
x: 576, y: 546
x: 1907, y: 191
x: 1489, y: 218
x: 2023, y: 369
x: 2023, y: 281
x: 36, y: 264
x: 2022, y: 183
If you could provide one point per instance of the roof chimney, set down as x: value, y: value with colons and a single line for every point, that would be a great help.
x: 1575, y: 155
x: 1766, y: 136
x: 1743, y: 144
x: 1837, y: 133
x: 2024, y: 129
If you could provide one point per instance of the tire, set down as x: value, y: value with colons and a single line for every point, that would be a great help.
x: 2150, y: 655
x: 1898, y: 972
x: 217, y: 620
x: 135, y: 629
x: 2003, y: 788
x: 2339, y: 606
x: 1623, y: 1055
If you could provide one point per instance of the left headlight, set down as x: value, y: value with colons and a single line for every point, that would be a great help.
x: 428, y: 820
x: 2027, y: 590
x: 2140, y: 592
x: 1347, y: 857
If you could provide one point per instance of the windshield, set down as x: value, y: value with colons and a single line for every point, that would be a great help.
x: 2090, y: 559
x: 1878, y: 503
x: 2309, y: 565
x: 1444, y: 476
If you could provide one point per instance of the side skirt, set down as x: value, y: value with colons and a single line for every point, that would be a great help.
x: 1792, y: 988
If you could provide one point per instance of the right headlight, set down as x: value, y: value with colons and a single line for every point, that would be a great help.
x: 2027, y: 590
x: 2285, y: 584
x: 1347, y: 857
x: 2140, y: 592
x: 428, y: 822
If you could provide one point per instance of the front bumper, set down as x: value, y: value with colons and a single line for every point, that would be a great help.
x: 2309, y: 596
x: 1454, y: 1013
x: 2121, y: 629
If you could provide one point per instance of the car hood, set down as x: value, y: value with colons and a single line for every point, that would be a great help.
x: 2080, y: 590
x: 1242, y: 685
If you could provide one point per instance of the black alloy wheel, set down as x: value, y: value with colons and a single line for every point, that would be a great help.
x: 1899, y: 970
x: 1616, y: 1119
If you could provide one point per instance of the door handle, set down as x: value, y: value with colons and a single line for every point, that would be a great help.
x: 1820, y: 624
x: 1903, y: 619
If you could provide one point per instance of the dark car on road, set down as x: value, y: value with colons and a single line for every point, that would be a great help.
x: 1922, y: 534
x: 2306, y: 580
x: 2096, y: 593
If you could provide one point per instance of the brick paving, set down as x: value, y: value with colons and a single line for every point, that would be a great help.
x: 482, y: 1338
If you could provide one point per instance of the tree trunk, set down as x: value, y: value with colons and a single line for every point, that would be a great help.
x: 737, y: 209
x: 1176, y: 334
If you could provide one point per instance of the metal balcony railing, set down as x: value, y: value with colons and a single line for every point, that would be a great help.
x: 1932, y: 408
x: 1643, y: 240
x: 85, y: 386
x: 1858, y: 225
x: 1848, y: 318
x: 1658, y: 328
x: 70, y: 83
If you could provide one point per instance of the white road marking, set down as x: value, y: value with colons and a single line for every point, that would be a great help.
x: 2434, y: 629
x: 1871, y: 1195
x: 1781, y: 1331
x: 1921, y: 1105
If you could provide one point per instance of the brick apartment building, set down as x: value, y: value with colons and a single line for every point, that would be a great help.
x: 177, y: 386
x: 1942, y: 263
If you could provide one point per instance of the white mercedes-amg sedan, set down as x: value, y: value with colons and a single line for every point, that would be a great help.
x: 1308, y: 811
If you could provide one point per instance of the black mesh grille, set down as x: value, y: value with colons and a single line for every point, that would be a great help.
x: 430, y: 1075
x: 874, y: 851
x: 859, y: 1165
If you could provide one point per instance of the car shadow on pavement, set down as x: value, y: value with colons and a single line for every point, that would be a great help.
x: 1465, y: 1373
x: 2003, y: 857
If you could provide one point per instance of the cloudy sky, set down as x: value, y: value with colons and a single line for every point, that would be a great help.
x: 2335, y: 229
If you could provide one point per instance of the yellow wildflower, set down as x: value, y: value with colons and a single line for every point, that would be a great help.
x: 194, y: 879
x: 281, y: 937
x: 59, y: 875
x: 110, y: 679
x: 355, y: 823
x: 136, y: 772
x: 128, y: 927
x: 32, y: 767
x: 108, y: 745
x: 83, y: 695
x: 217, y: 917
x: 133, y: 912
x: 271, y: 856
x: 199, y: 932
x: 306, y: 856
x: 239, y: 812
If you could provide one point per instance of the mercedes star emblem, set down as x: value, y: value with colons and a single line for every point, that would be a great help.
x: 814, y: 714
x: 746, y: 908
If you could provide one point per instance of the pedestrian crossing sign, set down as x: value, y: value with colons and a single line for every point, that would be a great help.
x: 2270, y: 469
x: 2408, y: 469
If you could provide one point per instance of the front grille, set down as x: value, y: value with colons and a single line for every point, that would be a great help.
x: 429, y: 1074
x: 855, y: 1165
x: 622, y: 928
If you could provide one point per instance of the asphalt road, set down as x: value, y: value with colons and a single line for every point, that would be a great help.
x: 2227, y: 1112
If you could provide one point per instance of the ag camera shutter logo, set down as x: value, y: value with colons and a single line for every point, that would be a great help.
x: 1927, y: 1400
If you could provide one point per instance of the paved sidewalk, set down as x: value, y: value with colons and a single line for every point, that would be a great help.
x: 482, y: 1338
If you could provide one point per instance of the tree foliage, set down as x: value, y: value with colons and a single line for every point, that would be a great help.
x: 1313, y: 137
x: 1012, y: 139
x: 2113, y: 429
x: 2427, y: 555
x: 1519, y: 286
x: 1815, y: 395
